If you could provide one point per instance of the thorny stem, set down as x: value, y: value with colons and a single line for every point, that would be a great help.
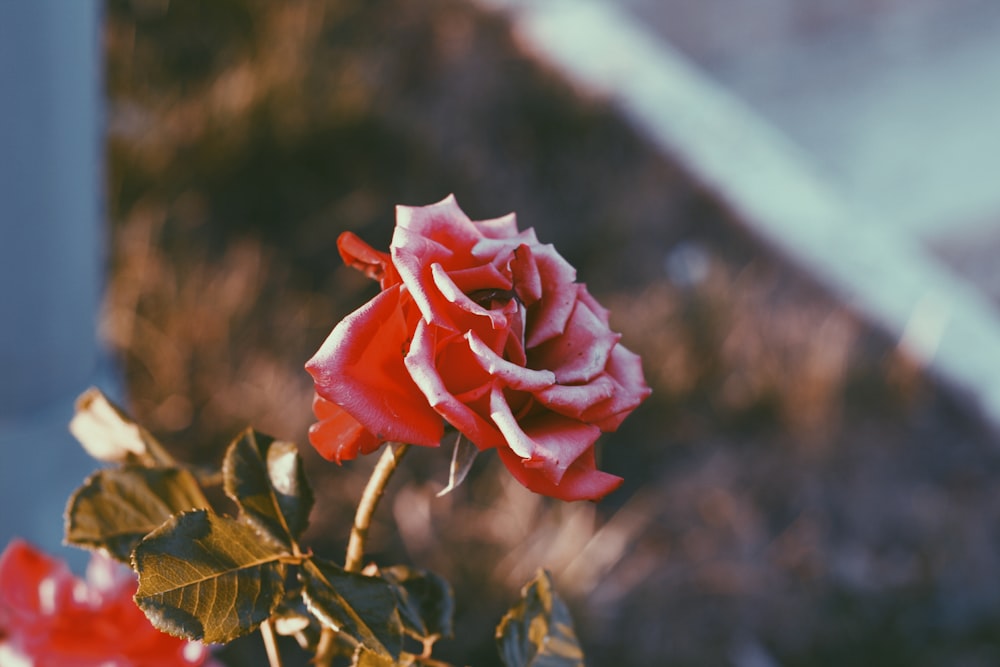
x: 373, y: 492
x: 270, y: 644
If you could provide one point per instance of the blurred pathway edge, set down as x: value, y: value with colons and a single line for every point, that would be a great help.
x: 774, y: 188
x: 52, y: 241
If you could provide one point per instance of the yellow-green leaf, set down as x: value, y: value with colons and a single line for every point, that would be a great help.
x: 116, y: 507
x: 538, y: 630
x: 207, y: 577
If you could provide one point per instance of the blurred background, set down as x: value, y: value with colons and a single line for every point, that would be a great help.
x: 799, y: 490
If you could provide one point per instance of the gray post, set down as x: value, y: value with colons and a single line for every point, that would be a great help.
x: 51, y: 257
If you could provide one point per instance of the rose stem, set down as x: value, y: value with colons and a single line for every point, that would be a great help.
x: 270, y: 644
x: 369, y: 501
x: 373, y: 492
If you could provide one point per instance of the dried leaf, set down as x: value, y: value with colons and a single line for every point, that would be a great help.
x: 354, y: 604
x: 266, y: 479
x: 115, y: 508
x: 538, y: 630
x: 425, y: 601
x: 109, y: 435
x: 208, y: 578
x: 463, y: 455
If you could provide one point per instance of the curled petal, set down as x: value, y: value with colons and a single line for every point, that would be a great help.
x: 421, y: 363
x: 625, y: 371
x: 360, y: 368
x: 455, y: 295
x: 513, y: 346
x: 581, y: 352
x: 359, y: 255
x: 414, y: 255
x: 527, y: 279
x: 443, y: 222
x: 597, y: 309
x: 503, y: 227
x: 499, y: 248
x: 480, y: 277
x: 559, y: 295
x: 511, y: 375
x: 574, y: 400
x: 545, y: 441
x: 582, y: 481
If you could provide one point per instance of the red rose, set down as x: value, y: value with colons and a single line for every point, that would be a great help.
x: 49, y: 618
x: 486, y: 327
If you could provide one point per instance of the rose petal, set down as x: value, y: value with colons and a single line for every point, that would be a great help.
x: 503, y: 227
x: 453, y: 294
x: 456, y: 365
x: 338, y: 436
x: 32, y: 584
x: 413, y: 256
x: 421, y: 364
x: 513, y: 345
x: 49, y: 618
x: 360, y: 367
x: 499, y: 250
x: 512, y: 375
x: 546, y: 441
x: 548, y: 317
x: 581, y: 352
x: 480, y: 277
x: 582, y: 480
x: 574, y: 400
x: 599, y: 311
x: 625, y: 371
x: 527, y: 280
x: 443, y: 222
x: 359, y: 255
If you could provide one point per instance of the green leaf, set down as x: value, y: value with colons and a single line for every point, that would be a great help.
x: 356, y: 605
x: 115, y: 508
x: 207, y: 577
x: 462, y: 457
x: 425, y: 601
x: 109, y: 435
x: 266, y: 479
x: 538, y: 630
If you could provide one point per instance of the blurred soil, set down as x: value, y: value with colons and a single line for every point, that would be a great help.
x: 797, y: 492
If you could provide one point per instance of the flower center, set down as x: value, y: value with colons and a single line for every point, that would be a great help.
x: 492, y: 299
